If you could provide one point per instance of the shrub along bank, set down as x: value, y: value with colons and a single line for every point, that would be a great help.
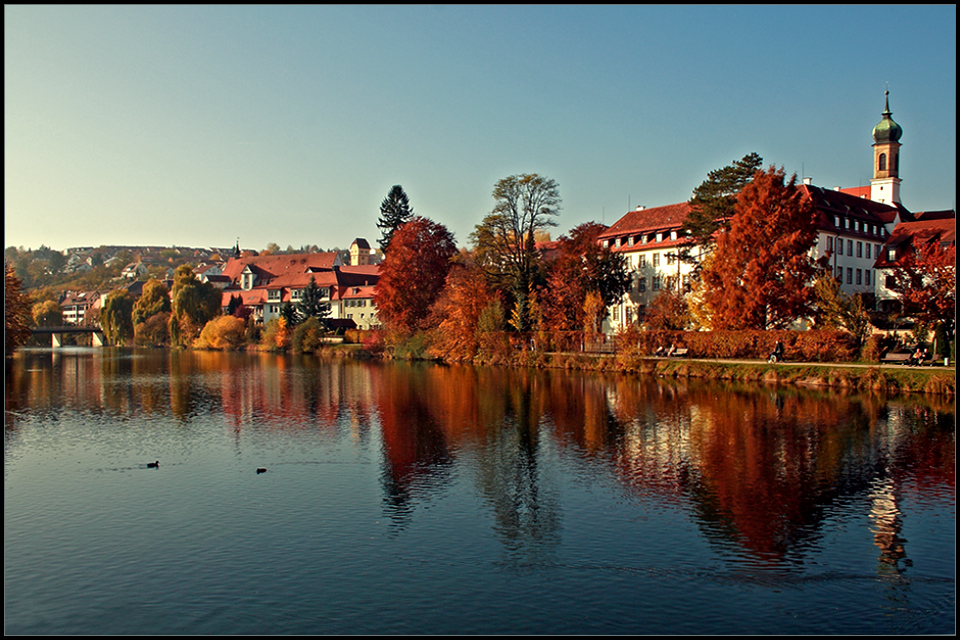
x: 814, y: 358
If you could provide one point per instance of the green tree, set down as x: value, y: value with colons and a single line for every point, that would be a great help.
x: 760, y: 275
x: 193, y: 304
x: 56, y: 261
x: 308, y: 336
x: 16, y: 312
x: 154, y: 299
x: 713, y: 202
x: 395, y: 210
x: 47, y: 314
x: 833, y: 309
x: 505, y: 242
x: 311, y: 304
x: 116, y: 317
x: 289, y: 313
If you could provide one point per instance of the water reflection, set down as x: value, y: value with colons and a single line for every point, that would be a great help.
x: 759, y: 469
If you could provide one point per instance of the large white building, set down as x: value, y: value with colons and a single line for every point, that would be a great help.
x: 854, y: 224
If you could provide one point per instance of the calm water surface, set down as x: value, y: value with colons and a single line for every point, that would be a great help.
x: 412, y: 498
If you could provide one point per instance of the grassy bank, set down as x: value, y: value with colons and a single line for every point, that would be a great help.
x: 851, y: 376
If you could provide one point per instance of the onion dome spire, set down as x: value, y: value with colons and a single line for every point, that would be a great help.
x: 887, y: 130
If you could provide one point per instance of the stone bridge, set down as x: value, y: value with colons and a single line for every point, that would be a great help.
x: 56, y: 334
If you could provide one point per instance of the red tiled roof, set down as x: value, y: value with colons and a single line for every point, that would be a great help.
x: 250, y: 298
x: 276, y: 265
x: 650, y: 220
x: 907, y: 236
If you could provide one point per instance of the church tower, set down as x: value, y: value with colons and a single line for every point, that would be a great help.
x: 885, y: 185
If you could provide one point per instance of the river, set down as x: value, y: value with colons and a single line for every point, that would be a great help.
x: 296, y: 495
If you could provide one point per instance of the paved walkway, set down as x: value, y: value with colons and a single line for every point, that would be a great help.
x: 847, y: 365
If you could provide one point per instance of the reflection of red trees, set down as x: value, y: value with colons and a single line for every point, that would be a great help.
x: 930, y: 452
x: 768, y: 463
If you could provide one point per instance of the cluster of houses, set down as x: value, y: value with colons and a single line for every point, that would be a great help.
x: 264, y: 284
x: 863, y: 232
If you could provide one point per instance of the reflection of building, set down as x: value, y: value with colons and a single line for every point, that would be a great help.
x: 853, y: 225
x: 885, y: 513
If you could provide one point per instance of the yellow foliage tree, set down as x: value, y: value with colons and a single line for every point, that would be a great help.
x: 222, y: 333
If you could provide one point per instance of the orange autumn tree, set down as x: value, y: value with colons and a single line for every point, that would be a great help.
x: 760, y: 273
x: 456, y: 312
x: 413, y: 273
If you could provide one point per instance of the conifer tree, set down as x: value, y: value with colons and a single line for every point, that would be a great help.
x: 394, y: 211
x: 712, y: 204
x: 311, y: 303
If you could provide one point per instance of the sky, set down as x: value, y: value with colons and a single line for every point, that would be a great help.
x: 203, y: 126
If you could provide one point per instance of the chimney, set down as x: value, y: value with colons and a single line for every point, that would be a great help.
x: 807, y: 181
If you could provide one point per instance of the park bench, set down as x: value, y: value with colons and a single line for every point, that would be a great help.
x: 680, y: 353
x: 897, y: 358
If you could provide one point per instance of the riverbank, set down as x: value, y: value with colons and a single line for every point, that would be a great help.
x: 889, y: 378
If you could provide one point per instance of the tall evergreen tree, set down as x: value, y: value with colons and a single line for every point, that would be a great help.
x: 713, y: 202
x: 394, y: 211
x: 311, y: 304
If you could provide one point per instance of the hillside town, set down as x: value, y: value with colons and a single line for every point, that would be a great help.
x: 864, y: 236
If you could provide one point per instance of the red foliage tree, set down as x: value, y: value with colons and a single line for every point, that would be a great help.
x: 413, y: 273
x: 581, y: 266
x: 761, y: 271
x: 926, y: 282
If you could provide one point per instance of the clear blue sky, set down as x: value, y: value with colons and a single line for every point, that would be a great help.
x: 193, y: 126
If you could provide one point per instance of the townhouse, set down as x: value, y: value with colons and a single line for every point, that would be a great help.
x: 79, y: 307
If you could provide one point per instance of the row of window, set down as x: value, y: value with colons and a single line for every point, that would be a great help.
x: 858, y: 226
x: 863, y: 249
x: 643, y: 238
x: 671, y: 258
x: 662, y: 282
x: 862, y: 276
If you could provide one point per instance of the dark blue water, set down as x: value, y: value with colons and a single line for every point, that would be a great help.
x: 423, y: 499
